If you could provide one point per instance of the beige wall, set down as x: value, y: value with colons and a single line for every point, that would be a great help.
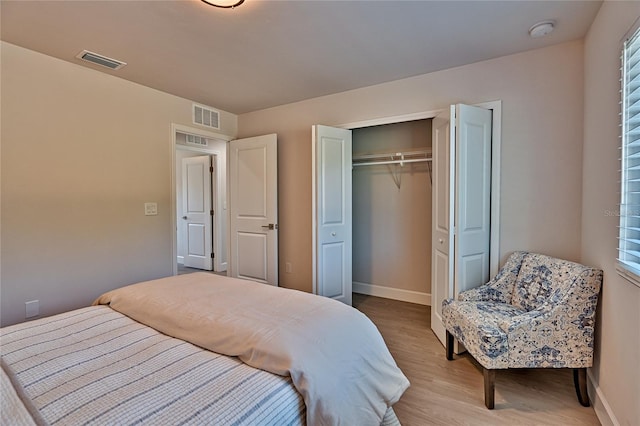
x: 617, y: 365
x: 82, y: 151
x: 392, y: 219
x: 541, y: 91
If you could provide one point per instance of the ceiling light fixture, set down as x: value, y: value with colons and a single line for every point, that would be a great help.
x: 541, y: 29
x: 225, y: 4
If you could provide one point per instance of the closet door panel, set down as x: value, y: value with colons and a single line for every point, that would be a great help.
x: 332, y: 211
x: 473, y: 197
x: 461, y: 205
x: 442, y: 219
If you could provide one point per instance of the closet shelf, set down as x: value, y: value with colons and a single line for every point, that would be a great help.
x: 400, y: 158
x: 397, y: 159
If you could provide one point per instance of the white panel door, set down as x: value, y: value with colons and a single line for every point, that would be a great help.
x: 253, y: 208
x: 443, y: 154
x: 461, y: 139
x: 197, y: 214
x: 332, y: 206
x: 473, y: 197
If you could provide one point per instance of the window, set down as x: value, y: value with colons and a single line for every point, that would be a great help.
x: 629, y: 243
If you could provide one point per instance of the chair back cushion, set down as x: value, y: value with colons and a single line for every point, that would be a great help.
x: 540, y: 276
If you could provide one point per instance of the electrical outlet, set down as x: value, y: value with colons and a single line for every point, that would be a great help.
x: 287, y: 267
x: 32, y: 308
x: 150, y: 209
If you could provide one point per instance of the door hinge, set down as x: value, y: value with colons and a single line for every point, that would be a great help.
x: 210, y: 169
x: 211, y: 212
x: 213, y: 255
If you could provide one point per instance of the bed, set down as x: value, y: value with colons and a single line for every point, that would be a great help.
x: 200, y: 349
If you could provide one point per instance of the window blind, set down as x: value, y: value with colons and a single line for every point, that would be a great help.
x: 629, y: 243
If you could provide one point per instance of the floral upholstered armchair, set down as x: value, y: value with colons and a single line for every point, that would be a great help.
x: 538, y: 312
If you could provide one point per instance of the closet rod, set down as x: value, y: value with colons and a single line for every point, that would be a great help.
x: 412, y: 160
x: 423, y: 152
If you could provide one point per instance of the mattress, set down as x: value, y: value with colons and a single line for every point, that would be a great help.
x: 200, y: 349
x: 97, y: 366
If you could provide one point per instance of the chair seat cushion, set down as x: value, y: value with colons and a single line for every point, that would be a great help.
x: 476, y: 325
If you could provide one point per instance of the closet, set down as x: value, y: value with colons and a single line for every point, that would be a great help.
x: 392, y: 210
x: 409, y: 210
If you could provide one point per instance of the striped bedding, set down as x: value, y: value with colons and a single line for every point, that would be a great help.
x: 97, y: 366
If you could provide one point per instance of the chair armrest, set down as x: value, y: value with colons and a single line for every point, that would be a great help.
x: 500, y: 288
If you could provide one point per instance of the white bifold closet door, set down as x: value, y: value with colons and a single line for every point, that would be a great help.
x: 332, y: 210
x: 461, y: 231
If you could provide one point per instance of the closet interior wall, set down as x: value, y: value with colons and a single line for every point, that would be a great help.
x: 392, y: 212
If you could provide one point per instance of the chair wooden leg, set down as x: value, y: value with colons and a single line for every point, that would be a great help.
x: 489, y: 387
x: 580, y: 382
x: 449, y: 346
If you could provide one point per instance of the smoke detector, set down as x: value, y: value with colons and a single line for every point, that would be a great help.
x: 541, y: 29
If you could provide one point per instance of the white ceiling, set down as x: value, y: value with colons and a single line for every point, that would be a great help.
x: 269, y: 52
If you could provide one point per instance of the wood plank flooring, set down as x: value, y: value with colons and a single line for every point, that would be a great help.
x: 451, y: 392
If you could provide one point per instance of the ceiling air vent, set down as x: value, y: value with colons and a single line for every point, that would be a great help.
x: 197, y: 140
x: 206, y: 116
x: 94, y: 58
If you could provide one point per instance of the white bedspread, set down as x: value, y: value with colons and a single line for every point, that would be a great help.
x: 334, y: 354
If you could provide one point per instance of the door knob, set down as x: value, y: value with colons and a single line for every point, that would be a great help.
x: 270, y: 226
x: 333, y: 234
x: 184, y: 217
x: 440, y: 240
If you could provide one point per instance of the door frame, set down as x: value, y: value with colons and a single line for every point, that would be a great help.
x: 496, y: 152
x: 215, y: 201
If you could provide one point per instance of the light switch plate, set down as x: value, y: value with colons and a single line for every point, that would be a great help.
x: 150, y: 209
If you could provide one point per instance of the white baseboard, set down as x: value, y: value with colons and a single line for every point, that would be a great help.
x: 599, y: 402
x: 181, y: 260
x: 392, y: 293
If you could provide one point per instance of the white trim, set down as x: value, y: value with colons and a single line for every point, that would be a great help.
x: 390, y: 120
x: 198, y: 132
x: 174, y: 220
x: 314, y: 219
x: 599, y: 402
x: 628, y: 272
x: 392, y: 293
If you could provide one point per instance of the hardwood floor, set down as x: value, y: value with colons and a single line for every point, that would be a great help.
x: 451, y: 392
x: 186, y: 270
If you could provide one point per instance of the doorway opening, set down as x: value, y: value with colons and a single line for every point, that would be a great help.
x: 496, y: 137
x: 392, y: 210
x: 199, y: 235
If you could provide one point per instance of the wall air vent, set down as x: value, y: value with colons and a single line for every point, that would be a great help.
x: 94, y: 58
x: 206, y: 116
x: 196, y: 140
